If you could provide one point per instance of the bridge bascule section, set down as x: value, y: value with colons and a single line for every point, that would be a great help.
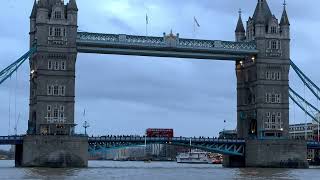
x: 222, y: 146
x: 261, y: 53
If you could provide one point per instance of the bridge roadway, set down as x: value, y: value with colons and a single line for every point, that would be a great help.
x: 166, y: 46
x: 223, y: 146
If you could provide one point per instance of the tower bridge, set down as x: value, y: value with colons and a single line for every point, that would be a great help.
x: 261, y: 53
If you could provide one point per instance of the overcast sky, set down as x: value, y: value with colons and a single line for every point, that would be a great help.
x: 126, y: 94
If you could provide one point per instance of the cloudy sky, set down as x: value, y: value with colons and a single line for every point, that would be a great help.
x: 126, y: 94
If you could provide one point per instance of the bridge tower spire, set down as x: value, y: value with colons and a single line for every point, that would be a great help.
x: 240, y: 31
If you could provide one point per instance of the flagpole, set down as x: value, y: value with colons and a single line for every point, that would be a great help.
x: 147, y: 22
x: 146, y: 29
x: 194, y: 27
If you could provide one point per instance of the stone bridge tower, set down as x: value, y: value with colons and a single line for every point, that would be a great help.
x: 51, y: 140
x: 263, y: 94
x: 262, y: 81
x: 53, y: 28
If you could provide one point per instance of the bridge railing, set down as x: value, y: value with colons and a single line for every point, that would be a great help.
x: 162, y: 139
x: 11, y: 137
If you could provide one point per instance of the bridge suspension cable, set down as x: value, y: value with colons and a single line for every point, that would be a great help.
x: 309, y: 109
x: 8, y: 71
x: 304, y: 105
x: 306, y: 80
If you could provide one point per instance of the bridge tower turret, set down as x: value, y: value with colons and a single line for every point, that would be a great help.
x: 240, y: 31
x: 263, y: 104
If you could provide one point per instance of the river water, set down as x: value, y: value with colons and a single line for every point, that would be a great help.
x: 153, y: 171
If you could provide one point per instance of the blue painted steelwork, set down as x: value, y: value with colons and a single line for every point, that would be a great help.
x: 313, y: 145
x: 8, y: 71
x: 166, y: 46
x: 306, y: 80
x: 223, y: 146
x: 304, y: 104
x: 11, y: 140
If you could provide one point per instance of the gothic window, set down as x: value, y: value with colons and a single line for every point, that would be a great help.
x: 57, y: 32
x: 62, y: 108
x: 61, y: 90
x: 267, y: 75
x: 278, y: 75
x: 273, y: 98
x: 268, y: 97
x: 63, y: 65
x: 50, y: 31
x: 273, y: 118
x: 48, y: 108
x: 267, y: 121
x: 49, y: 114
x: 49, y: 90
x: 57, y: 15
x: 279, y: 120
x: 273, y: 30
x: 55, y: 112
x: 61, y: 116
x: 279, y: 116
x: 278, y: 98
x: 56, y: 65
x: 274, y: 44
x: 56, y: 90
x: 49, y: 65
x: 273, y: 76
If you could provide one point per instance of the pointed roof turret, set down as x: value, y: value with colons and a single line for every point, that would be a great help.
x: 284, y: 19
x: 72, y: 5
x: 34, y: 10
x: 262, y: 13
x: 240, y: 27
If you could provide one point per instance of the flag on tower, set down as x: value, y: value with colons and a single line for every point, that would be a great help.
x: 147, y: 23
x: 196, y: 21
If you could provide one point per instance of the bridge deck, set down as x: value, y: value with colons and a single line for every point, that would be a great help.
x: 166, y: 46
x: 11, y: 140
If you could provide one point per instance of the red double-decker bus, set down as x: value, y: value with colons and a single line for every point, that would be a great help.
x: 153, y: 132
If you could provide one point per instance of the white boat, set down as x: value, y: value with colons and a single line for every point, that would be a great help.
x: 196, y: 157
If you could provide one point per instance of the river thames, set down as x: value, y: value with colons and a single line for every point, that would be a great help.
x: 153, y: 171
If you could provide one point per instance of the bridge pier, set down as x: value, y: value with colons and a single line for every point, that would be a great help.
x: 52, y: 151
x: 271, y: 154
x: 18, y: 155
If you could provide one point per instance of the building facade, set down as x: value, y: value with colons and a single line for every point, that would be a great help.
x: 309, y: 132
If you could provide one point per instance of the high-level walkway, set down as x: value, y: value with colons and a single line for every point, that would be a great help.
x: 166, y: 46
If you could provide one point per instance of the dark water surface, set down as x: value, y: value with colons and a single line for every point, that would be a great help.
x: 153, y: 171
